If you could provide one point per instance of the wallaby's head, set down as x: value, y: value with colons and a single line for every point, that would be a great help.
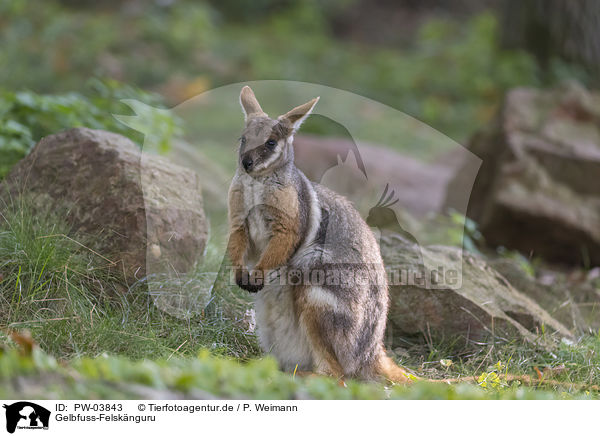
x: 266, y: 143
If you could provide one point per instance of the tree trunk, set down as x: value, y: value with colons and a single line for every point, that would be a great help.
x: 569, y: 29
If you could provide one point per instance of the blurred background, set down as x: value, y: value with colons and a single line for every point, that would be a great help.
x: 445, y: 63
x: 514, y: 81
x: 67, y: 63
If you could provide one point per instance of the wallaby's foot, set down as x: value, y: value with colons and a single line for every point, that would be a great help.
x: 250, y: 283
x: 341, y: 381
x: 393, y: 372
x: 305, y: 374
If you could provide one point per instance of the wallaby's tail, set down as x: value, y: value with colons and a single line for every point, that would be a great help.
x: 391, y: 371
x: 387, y: 368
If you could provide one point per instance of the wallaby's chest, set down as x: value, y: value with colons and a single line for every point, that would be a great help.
x: 256, y: 197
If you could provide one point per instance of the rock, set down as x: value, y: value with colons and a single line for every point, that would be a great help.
x: 485, y: 304
x: 574, y: 302
x: 119, y: 201
x: 538, y: 190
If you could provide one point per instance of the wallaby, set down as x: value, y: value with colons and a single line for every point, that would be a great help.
x: 283, y: 226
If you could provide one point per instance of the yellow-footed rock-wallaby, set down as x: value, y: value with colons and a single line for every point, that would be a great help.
x: 314, y: 264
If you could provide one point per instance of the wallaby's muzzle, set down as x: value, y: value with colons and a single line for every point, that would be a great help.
x: 247, y: 163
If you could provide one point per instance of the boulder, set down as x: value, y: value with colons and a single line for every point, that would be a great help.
x: 484, y: 306
x: 571, y: 298
x: 139, y: 211
x: 538, y: 190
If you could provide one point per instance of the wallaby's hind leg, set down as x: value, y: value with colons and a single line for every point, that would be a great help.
x: 317, y: 311
x: 324, y: 360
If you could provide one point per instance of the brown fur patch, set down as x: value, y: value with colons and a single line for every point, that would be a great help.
x: 238, y: 238
x: 284, y: 228
x: 236, y: 248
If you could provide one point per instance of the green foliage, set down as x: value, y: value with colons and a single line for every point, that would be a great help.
x: 452, y: 229
x: 452, y: 76
x: 462, y: 226
x: 116, y: 377
x: 28, y: 116
x: 570, y: 366
x: 527, y: 265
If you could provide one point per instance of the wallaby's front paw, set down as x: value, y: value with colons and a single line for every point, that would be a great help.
x: 249, y: 282
x: 257, y: 280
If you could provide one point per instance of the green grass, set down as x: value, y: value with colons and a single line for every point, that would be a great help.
x: 75, y: 305
x: 208, y: 376
x: 574, y: 365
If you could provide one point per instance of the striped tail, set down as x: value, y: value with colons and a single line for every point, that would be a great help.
x: 391, y: 371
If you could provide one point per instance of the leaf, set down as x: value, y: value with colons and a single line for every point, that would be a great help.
x: 446, y: 363
x: 488, y: 379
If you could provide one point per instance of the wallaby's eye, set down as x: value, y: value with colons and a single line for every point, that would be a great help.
x: 271, y: 143
x: 243, y: 141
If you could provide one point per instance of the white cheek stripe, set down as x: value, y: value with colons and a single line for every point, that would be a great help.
x: 269, y: 161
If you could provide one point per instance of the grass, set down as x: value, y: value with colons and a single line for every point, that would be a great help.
x: 75, y: 305
x: 117, y: 340
x: 572, y: 366
x: 208, y: 376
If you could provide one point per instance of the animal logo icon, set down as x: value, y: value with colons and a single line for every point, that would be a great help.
x: 383, y: 216
x: 25, y: 414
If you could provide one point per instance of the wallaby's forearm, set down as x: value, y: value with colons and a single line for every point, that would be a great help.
x: 278, y: 251
x: 238, y: 237
x: 238, y: 244
x: 285, y: 229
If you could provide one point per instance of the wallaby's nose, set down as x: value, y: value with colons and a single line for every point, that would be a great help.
x: 247, y: 162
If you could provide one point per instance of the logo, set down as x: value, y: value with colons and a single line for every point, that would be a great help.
x: 26, y: 415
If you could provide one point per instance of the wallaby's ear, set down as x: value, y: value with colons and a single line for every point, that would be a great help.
x: 297, y: 115
x: 249, y: 103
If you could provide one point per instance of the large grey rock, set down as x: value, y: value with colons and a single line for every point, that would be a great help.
x: 572, y: 298
x: 485, y: 305
x: 538, y: 189
x: 121, y: 203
